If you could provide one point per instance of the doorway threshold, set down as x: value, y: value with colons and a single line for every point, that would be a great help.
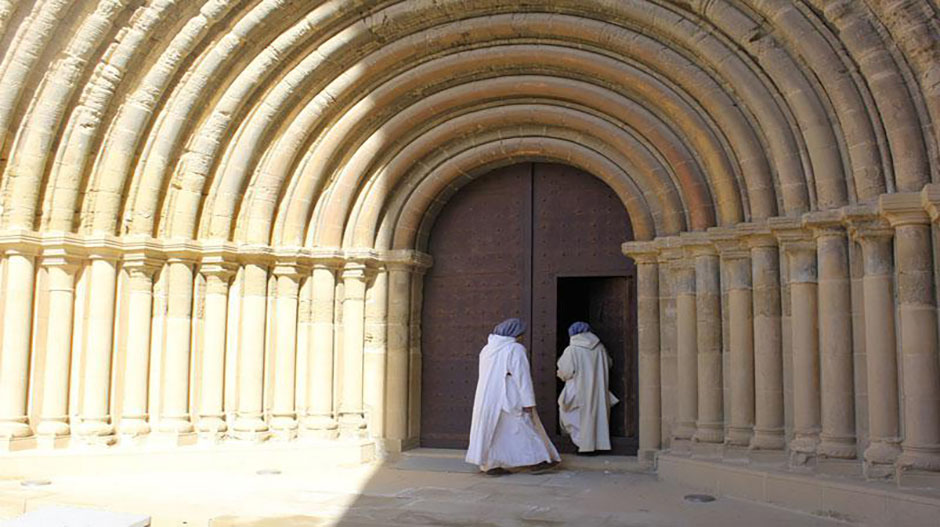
x: 452, y: 460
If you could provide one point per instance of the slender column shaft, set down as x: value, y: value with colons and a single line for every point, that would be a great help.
x: 768, y: 358
x: 805, y: 342
x: 351, y: 419
x: 53, y: 419
x: 375, y: 352
x: 249, y: 421
x: 174, y: 411
x: 835, y: 339
x: 668, y: 360
x: 320, y: 418
x: 710, y: 419
x: 880, y: 345
x: 687, y: 353
x: 399, y: 311
x: 137, y: 360
x: 211, y: 413
x: 920, y: 367
x: 95, y: 418
x: 14, y: 355
x: 288, y: 285
x: 741, y: 348
x: 649, y: 366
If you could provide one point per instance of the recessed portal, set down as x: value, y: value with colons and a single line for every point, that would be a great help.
x: 501, y: 245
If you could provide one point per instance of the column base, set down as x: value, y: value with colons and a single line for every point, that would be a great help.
x: 53, y: 428
x: 803, y: 451
x: 352, y: 426
x: 211, y: 424
x: 94, y: 432
x: 14, y: 444
x: 768, y: 440
x: 709, y: 433
x: 251, y: 428
x: 175, y: 425
x: 739, y: 436
x: 881, y: 452
x: 647, y: 455
x: 13, y: 429
x: 919, y: 458
x: 836, y: 447
x: 133, y: 427
x: 283, y: 428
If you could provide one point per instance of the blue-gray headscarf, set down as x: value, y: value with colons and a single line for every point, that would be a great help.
x: 511, y: 327
x: 577, y: 328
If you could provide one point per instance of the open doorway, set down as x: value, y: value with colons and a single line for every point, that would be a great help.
x: 604, y: 302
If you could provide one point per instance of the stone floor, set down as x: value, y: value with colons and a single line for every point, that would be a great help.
x: 425, y: 488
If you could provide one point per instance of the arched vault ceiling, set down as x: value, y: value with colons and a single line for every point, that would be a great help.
x: 349, y: 122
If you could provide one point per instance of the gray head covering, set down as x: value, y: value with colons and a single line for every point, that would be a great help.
x: 577, y: 328
x: 511, y: 327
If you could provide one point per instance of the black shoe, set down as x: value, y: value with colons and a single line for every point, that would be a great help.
x: 591, y: 453
x: 498, y: 471
x: 543, y: 468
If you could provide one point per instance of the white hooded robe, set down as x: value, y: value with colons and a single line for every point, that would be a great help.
x: 585, y: 401
x: 501, y: 434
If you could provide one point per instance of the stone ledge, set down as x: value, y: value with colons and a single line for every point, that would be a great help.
x: 37, y: 464
x: 870, y: 503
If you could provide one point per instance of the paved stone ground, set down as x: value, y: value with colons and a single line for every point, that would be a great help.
x: 425, y: 489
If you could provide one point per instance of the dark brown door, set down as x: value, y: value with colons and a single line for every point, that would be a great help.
x: 501, y: 247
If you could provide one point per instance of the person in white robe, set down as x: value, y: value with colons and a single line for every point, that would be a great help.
x: 505, y: 431
x: 584, y: 403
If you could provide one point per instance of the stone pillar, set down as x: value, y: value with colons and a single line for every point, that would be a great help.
x: 174, y: 407
x: 399, y: 316
x: 709, y: 426
x: 211, y: 414
x: 875, y: 238
x: 320, y: 420
x: 134, y: 415
x: 650, y: 406
x: 768, y: 358
x: 53, y: 413
x: 736, y: 260
x: 837, y: 439
x: 920, y: 368
x: 249, y: 419
x: 284, y: 417
x: 414, y: 355
x: 14, y: 353
x: 687, y: 350
x: 668, y: 361
x: 352, y: 422
x: 95, y: 426
x: 801, y: 254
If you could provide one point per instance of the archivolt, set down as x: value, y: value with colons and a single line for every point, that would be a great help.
x: 295, y: 122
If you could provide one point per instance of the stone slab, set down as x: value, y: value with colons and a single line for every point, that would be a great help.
x: 77, y: 517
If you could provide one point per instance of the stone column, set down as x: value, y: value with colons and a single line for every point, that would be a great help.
x: 399, y: 315
x: 352, y: 422
x: 768, y: 358
x: 650, y: 406
x: 710, y: 421
x: 284, y: 417
x: 53, y: 414
x: 320, y: 420
x: 17, y: 333
x: 875, y: 238
x: 668, y: 361
x: 211, y: 414
x: 801, y: 254
x: 174, y: 407
x: 134, y: 415
x: 736, y: 260
x: 920, y: 369
x: 837, y: 439
x: 375, y: 352
x: 95, y: 426
x: 414, y: 354
x: 687, y: 350
x: 249, y: 419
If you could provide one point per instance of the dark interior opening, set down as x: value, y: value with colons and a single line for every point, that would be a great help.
x: 604, y: 303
